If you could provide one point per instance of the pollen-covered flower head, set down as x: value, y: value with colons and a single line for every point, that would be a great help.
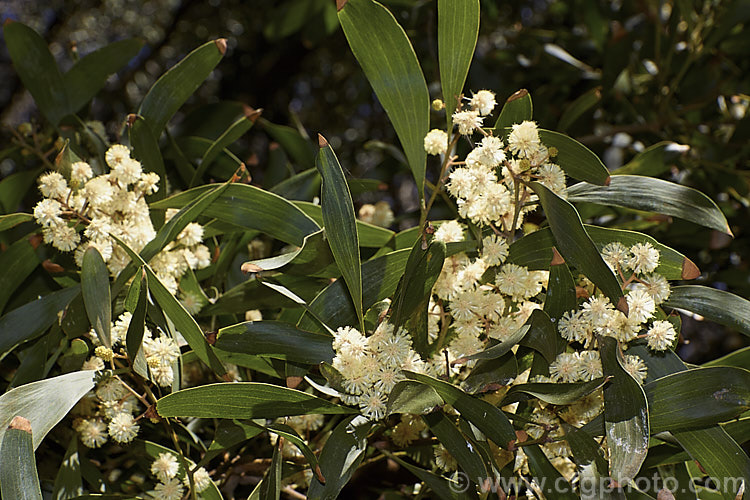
x: 483, y: 101
x: 644, y: 258
x: 116, y: 154
x: 467, y: 121
x: 165, y: 467
x: 53, y: 185
x: 661, y: 335
x: 523, y: 139
x: 436, y: 142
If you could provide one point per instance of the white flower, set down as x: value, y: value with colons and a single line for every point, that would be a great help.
x: 449, y: 232
x: 99, y: 192
x: 436, y: 142
x: 553, y: 177
x: 162, y: 351
x: 120, y: 327
x: 656, y: 285
x: 122, y: 428
x: 93, y: 363
x: 597, y: 311
x: 644, y: 258
x: 62, y: 237
x: 661, y: 335
x: 47, y: 213
x: 116, y: 155
x: 491, y: 152
x: 169, y: 490
x: 201, y: 479
x: 53, y: 185
x: 163, y: 375
x: 203, y: 255
x: 483, y: 101
x: 616, y: 254
x: 392, y: 350
x: 148, y: 183
x: 80, y: 172
x: 523, y: 139
x: 640, y: 305
x: 467, y: 121
x: 513, y: 280
x: 574, y: 327
x: 165, y: 467
x: 444, y: 460
x: 635, y: 366
x: 565, y: 368
x: 93, y: 433
x: 191, y: 235
x: 372, y: 404
x: 590, y: 365
x: 110, y: 390
x: 128, y: 171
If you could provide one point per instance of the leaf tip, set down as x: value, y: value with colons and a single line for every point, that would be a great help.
x: 249, y: 267
x: 221, y: 44
x: 52, y: 268
x: 689, y: 270
x: 557, y: 259
x: 319, y: 474
x: 519, y: 94
x: 608, y: 180
x: 622, y: 305
x: 293, y: 382
x: 251, y: 113
x: 322, y: 142
x: 11, y: 21
x: 340, y: 4
x: 21, y: 424
x: 132, y: 117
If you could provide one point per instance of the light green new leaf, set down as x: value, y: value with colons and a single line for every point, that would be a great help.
x: 625, y: 416
x: 576, y: 245
x: 275, y: 339
x: 578, y: 107
x: 654, y: 195
x: 716, y: 305
x: 18, y: 261
x: 37, y: 69
x: 29, y: 320
x: 89, y: 74
x: 44, y: 403
x: 339, y: 222
x: 18, y: 476
x: 341, y: 455
x: 578, y: 161
x: 244, y: 400
x: 12, y: 220
x: 518, y: 108
x: 174, y: 87
x: 447, y: 432
x: 96, y: 294
x: 391, y: 66
x: 458, y: 29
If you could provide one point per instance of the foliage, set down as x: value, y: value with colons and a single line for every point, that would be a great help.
x: 499, y: 343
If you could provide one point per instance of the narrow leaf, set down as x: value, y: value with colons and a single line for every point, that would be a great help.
x: 68, y: 482
x: 299, y: 148
x: 444, y: 488
x: 18, y: 476
x: 138, y: 294
x: 19, y: 260
x: 96, y: 294
x: 458, y: 29
x: 518, y: 108
x: 716, y: 305
x: 447, y: 432
x: 556, y: 394
x: 146, y: 149
x: 412, y: 397
x: 370, y: 235
x: 578, y: 161
x: 270, y: 486
x: 578, y: 107
x: 390, y: 65
x: 12, y: 220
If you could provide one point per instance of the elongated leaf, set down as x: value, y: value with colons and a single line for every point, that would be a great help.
x: 488, y: 374
x: 543, y: 336
x: 270, y: 486
x: 229, y: 136
x: 697, y: 398
x: 578, y: 161
x: 447, y: 432
x: 485, y: 416
x: 174, y: 87
x: 68, y: 482
x: 518, y: 108
x: 138, y: 296
x: 739, y: 358
x: 313, y: 258
x: 89, y: 74
x: 251, y: 208
x: 340, y: 457
x: 390, y: 65
x: 370, y: 235
x: 654, y: 160
x: 556, y: 394
x: 290, y: 434
x: 576, y: 245
x: 561, y: 291
x: 96, y: 294
x: 535, y: 251
x: 444, y: 488
x: 547, y: 476
x: 29, y: 320
x: 654, y: 195
x: 37, y: 69
x: 12, y: 220
x: 339, y: 222
x: 18, y: 260
x: 18, y: 476
x: 578, y: 107
x: 44, y: 403
x: 277, y: 340
x: 146, y: 150
x: 716, y: 305
x: 625, y: 416
x: 412, y: 397
x: 502, y: 348
x: 299, y: 148
x: 243, y: 400
x: 252, y: 294
x: 458, y: 29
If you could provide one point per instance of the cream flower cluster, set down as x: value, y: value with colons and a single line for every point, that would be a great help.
x: 86, y: 211
x: 166, y: 468
x: 107, y: 412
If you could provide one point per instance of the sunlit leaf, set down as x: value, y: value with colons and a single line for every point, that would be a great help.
x: 716, y: 305
x: 458, y: 28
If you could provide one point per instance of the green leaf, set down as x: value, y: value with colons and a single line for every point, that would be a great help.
x: 138, y: 298
x: 458, y: 29
x: 543, y: 336
x: 447, y: 432
x: 576, y: 245
x: 89, y: 74
x: 30, y: 320
x: 174, y: 87
x: 546, y: 475
x: 444, y: 488
x: 12, y: 220
x: 37, y: 69
x: 251, y: 208
x: 96, y: 294
x: 229, y: 136
x: 500, y: 349
x: 716, y: 305
x: 535, y: 250
x: 625, y: 416
x: 44, y: 403
x: 18, y: 260
x: 244, y: 400
x: 68, y: 482
x: 339, y: 223
x: 290, y: 434
x: 341, y: 455
x: 232, y: 432
x: 18, y: 476
x: 697, y: 398
x: 252, y: 294
x: 653, y: 195
x: 518, y: 108
x: 486, y: 417
x: 370, y: 235
x: 554, y: 393
x: 578, y: 161
x: 578, y: 107
x: 270, y: 486
x: 313, y: 258
x: 489, y: 374
x: 739, y: 358
x: 296, y: 146
x: 654, y: 160
x: 146, y: 149
x: 391, y: 66
x: 277, y: 340
x: 412, y: 397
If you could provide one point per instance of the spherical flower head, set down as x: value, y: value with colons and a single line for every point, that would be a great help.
x: 404, y: 434
x: 494, y: 250
x: 201, y: 480
x: 64, y: 238
x: 122, y: 428
x: 661, y: 335
x: 93, y: 433
x: 169, y: 490
x: 449, y: 232
x: 636, y: 367
x: 350, y: 342
x: 100, y: 227
x: 616, y: 255
x: 491, y: 152
x: 372, y: 404
x: 116, y: 155
x: 148, y: 183
x: 165, y: 467
x: 162, y: 375
x: 574, y: 327
x: 203, y: 255
x: 641, y: 305
x: 590, y: 364
x: 483, y: 101
x: 53, y: 185
x: 438, y: 104
x: 553, y: 177
x: 110, y: 390
x: 105, y: 353
x: 436, y: 142
x: 597, y: 311
x: 467, y: 121
x: 391, y: 350
x: 93, y: 363
x: 162, y: 349
x: 512, y: 280
x: 565, y: 368
x: 655, y: 285
x: 99, y: 192
x: 523, y: 139
x: 80, y: 172
x: 120, y: 327
x: 644, y: 258
x: 444, y: 460
x: 47, y: 213
x: 128, y: 171
x: 191, y: 235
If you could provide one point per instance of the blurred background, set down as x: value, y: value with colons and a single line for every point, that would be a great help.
x: 655, y: 87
